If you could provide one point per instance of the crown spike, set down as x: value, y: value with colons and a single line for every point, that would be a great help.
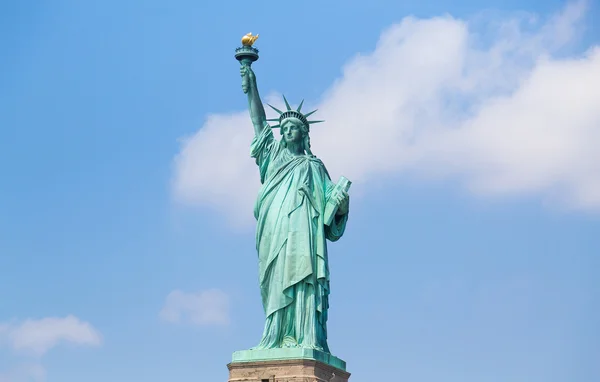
x: 290, y: 113
x: 286, y: 103
x: 276, y: 109
x: 312, y: 112
x: 275, y: 127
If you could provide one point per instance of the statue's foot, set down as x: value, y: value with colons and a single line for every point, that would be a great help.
x: 289, y: 342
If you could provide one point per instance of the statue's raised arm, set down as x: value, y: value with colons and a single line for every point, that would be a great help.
x: 257, y: 110
x: 246, y: 55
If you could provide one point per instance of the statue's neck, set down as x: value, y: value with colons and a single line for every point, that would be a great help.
x: 295, y: 148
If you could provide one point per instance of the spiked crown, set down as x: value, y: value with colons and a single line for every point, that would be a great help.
x: 290, y: 113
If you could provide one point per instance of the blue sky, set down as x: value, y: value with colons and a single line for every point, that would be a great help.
x: 469, y: 131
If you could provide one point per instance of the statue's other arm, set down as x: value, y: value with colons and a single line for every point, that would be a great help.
x: 257, y: 110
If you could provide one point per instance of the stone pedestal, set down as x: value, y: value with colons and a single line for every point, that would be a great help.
x: 285, y: 370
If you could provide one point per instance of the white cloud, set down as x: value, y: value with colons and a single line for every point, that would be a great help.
x: 438, y: 98
x: 209, y: 307
x: 36, y: 337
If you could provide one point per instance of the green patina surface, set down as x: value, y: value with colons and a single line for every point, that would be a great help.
x: 298, y: 209
x: 283, y: 354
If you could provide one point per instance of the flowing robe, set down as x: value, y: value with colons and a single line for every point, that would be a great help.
x: 291, y: 244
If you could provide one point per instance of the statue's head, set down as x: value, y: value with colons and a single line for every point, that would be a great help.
x: 293, y: 125
x: 293, y: 130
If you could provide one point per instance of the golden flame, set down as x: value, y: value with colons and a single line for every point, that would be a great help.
x: 248, y: 39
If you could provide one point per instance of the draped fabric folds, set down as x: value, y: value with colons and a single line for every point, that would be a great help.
x: 291, y: 244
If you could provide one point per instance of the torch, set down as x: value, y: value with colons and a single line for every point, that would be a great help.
x: 246, y: 55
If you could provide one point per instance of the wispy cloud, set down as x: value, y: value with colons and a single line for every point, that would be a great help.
x: 438, y: 98
x: 36, y: 337
x: 209, y: 307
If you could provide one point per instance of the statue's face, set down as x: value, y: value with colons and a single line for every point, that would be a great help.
x: 292, y: 131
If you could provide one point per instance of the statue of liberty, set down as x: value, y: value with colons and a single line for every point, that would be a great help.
x: 293, y: 226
